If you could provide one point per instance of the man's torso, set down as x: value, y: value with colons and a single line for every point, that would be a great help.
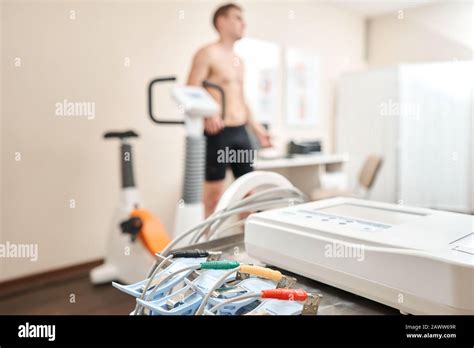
x: 227, y: 71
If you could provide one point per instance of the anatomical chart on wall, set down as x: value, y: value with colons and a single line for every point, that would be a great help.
x: 262, y: 62
x: 302, y: 87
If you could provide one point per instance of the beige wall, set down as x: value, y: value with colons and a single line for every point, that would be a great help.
x: 436, y: 32
x: 64, y: 158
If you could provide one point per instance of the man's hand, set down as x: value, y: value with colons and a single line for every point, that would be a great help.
x: 263, y: 137
x: 213, y: 125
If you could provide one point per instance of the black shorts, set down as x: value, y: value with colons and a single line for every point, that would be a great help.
x: 230, y: 147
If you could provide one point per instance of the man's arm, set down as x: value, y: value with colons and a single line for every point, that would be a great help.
x: 200, y: 68
x: 262, y: 134
x: 200, y: 71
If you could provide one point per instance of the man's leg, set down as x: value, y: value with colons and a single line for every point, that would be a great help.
x: 241, y: 144
x: 245, y: 165
x: 212, y: 193
x: 215, y: 171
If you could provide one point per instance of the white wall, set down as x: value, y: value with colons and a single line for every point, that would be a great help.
x: 65, y: 158
x: 430, y: 33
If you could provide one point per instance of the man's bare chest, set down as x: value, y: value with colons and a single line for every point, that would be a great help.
x: 227, y: 70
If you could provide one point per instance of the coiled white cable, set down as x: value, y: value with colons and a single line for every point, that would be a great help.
x: 213, y: 222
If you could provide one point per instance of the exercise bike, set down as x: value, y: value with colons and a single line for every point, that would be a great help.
x: 136, y: 235
x: 197, y: 104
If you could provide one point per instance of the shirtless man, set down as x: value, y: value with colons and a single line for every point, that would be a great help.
x: 218, y: 63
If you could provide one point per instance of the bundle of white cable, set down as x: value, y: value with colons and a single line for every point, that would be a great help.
x: 269, y: 198
x: 286, y: 195
x: 262, y: 200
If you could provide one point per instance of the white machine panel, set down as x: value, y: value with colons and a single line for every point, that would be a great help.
x: 417, y: 260
x: 195, y: 101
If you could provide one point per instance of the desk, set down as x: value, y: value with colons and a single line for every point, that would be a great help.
x: 299, y: 161
x: 303, y: 170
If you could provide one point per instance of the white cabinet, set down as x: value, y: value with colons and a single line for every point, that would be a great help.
x: 420, y: 119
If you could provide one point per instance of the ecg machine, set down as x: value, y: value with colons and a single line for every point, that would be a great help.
x: 417, y: 260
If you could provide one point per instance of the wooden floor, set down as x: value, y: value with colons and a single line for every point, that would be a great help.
x: 54, y: 297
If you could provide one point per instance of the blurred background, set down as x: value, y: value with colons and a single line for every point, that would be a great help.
x: 388, y: 81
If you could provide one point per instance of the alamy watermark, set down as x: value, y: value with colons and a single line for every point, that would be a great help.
x: 28, y: 330
x: 228, y: 155
x: 14, y: 250
x: 404, y: 109
x: 77, y: 109
x: 339, y: 250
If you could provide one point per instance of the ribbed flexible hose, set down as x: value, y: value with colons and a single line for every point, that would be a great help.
x: 194, y: 169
